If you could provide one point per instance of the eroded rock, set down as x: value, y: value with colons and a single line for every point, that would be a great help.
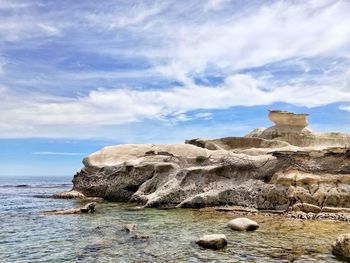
x: 270, y: 170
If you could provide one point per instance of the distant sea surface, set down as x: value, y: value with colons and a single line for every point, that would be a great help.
x: 28, y: 236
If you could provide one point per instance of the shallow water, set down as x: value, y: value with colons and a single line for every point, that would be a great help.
x: 26, y: 236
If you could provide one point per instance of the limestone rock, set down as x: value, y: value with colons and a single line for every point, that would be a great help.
x: 285, y: 118
x: 243, y: 224
x: 341, y: 247
x: 214, y: 241
x: 270, y: 170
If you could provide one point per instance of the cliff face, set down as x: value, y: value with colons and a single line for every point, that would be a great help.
x: 266, y: 174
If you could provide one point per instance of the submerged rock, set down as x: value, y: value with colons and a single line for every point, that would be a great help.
x: 129, y: 227
x: 341, y: 247
x: 69, y: 195
x: 214, y: 241
x: 139, y: 236
x: 90, y: 207
x: 243, y: 224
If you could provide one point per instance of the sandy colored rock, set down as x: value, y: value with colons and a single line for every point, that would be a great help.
x: 341, y: 247
x: 270, y: 170
x: 243, y: 224
x: 214, y: 241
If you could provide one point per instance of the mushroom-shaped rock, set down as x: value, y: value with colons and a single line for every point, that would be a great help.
x: 214, y: 241
x: 341, y: 247
x: 243, y: 224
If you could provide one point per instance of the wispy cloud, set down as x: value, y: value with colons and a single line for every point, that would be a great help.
x: 85, y: 67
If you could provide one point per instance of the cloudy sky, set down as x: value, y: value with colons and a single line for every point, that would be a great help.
x: 79, y: 75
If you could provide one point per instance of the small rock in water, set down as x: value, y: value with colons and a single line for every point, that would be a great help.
x: 129, y: 227
x: 243, y: 224
x: 69, y: 195
x: 215, y: 241
x: 139, y: 236
x: 90, y: 207
x: 341, y: 247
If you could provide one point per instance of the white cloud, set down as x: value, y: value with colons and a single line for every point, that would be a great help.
x: 204, y: 115
x: 122, y: 106
x: 51, y: 30
x: 177, y: 40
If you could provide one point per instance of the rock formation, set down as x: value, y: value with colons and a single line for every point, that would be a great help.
x: 285, y: 167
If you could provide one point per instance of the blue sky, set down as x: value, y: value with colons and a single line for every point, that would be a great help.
x: 78, y: 75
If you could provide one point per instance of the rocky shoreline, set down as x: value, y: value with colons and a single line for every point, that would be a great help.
x: 286, y: 167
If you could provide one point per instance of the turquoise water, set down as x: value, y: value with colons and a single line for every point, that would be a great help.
x: 27, y: 236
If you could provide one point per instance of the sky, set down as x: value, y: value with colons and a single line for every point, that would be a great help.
x: 76, y: 76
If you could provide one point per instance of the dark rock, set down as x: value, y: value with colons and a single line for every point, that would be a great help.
x: 215, y: 241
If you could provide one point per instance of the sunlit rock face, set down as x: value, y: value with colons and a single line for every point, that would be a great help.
x: 285, y: 167
x: 285, y: 118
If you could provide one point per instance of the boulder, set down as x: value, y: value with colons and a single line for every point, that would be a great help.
x: 341, y: 247
x: 243, y: 224
x: 214, y: 241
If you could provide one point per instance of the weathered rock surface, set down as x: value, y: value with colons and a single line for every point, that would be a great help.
x: 341, y: 247
x: 254, y: 172
x: 214, y: 241
x: 243, y: 224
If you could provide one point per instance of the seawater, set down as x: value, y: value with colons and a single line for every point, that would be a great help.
x: 27, y: 236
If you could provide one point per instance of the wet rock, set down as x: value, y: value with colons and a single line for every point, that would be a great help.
x: 243, y: 224
x: 90, y: 207
x: 214, y: 241
x: 341, y: 247
x: 69, y: 195
x: 129, y: 227
x: 139, y: 236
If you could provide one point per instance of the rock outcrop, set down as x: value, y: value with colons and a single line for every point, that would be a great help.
x: 268, y: 170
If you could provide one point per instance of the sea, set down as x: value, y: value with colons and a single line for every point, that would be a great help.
x: 26, y: 235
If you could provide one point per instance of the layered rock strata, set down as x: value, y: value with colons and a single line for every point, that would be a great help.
x: 264, y: 171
